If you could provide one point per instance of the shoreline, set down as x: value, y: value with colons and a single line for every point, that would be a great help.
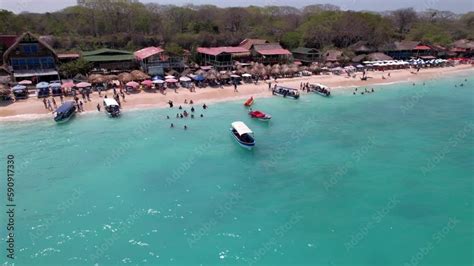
x: 33, y: 109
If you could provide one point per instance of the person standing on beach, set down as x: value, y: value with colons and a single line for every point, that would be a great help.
x: 269, y: 86
x: 235, y: 87
x: 81, y: 105
x: 44, y: 102
x: 62, y: 99
x: 170, y: 102
x: 123, y: 96
x: 76, y: 99
x: 98, y: 107
x: 49, y: 105
x: 54, y: 103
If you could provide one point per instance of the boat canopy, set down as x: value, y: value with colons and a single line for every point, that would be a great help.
x: 321, y: 85
x: 65, y: 107
x: 241, y: 128
x: 110, y: 102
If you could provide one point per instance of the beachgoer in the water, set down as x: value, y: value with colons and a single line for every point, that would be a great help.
x: 354, y: 93
x: 192, y: 109
x: 177, y: 115
x: 185, y: 127
x: 172, y: 125
x: 202, y: 115
x: 98, y: 107
x: 373, y: 90
x: 192, y: 116
x: 181, y: 116
x: 167, y: 117
x: 180, y: 108
x: 204, y: 106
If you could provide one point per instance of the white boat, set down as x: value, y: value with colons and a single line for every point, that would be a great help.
x: 112, y: 107
x: 286, y: 92
x: 320, y: 89
x: 242, y: 134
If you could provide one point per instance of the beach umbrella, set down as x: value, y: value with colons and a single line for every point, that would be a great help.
x: 225, y: 76
x: 83, y: 85
x: 95, y: 78
x: 42, y: 85
x: 125, y: 77
x: 110, y: 77
x: 132, y: 84
x: 158, y: 81
x: 55, y: 85
x: 184, y: 79
x: 139, y: 75
x: 69, y: 84
x: 25, y: 82
x: 169, y: 77
x: 18, y: 88
x: 171, y: 80
x: 172, y: 72
x: 199, y: 78
x: 246, y: 75
x: 200, y: 72
x: 234, y: 76
x: 147, y: 82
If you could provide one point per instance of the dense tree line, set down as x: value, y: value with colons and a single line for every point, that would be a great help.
x: 131, y: 25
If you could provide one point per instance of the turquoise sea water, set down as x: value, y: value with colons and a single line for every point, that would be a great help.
x: 378, y: 179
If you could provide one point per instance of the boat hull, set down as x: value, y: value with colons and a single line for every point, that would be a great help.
x: 245, y: 145
x: 287, y: 96
x: 66, y: 119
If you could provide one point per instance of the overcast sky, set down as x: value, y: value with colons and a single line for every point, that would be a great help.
x: 458, y: 6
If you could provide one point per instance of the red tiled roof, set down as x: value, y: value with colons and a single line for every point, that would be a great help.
x: 422, y: 47
x: 7, y: 40
x: 274, y: 52
x: 457, y: 49
x: 248, y: 43
x: 71, y: 55
x: 224, y: 49
x: 147, y: 52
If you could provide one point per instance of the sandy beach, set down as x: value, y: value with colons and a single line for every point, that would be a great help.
x: 33, y: 108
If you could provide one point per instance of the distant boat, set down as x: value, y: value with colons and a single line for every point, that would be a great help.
x: 286, y: 92
x: 112, y: 107
x: 242, y: 134
x: 249, y: 102
x: 65, y: 112
x: 320, y: 89
x: 260, y: 115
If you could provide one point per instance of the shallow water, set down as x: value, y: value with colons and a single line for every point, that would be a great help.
x: 378, y: 179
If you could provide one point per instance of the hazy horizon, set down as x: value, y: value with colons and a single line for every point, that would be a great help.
x: 457, y: 6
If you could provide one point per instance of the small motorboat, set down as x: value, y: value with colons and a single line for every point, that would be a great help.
x: 65, y: 112
x: 286, y: 92
x: 249, y: 102
x: 242, y: 134
x: 320, y: 89
x: 260, y: 115
x: 112, y: 107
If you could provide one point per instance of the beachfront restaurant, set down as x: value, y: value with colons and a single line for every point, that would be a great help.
x: 110, y: 59
x: 270, y: 53
x: 305, y: 55
x: 155, y: 61
x: 221, y: 58
x: 31, y: 58
x: 405, y: 50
